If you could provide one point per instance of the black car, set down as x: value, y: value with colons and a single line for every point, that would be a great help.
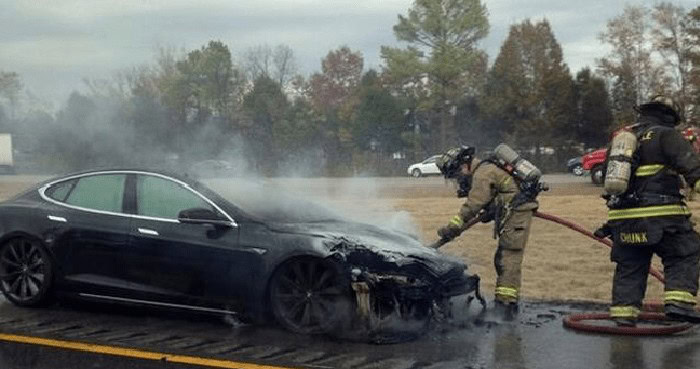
x: 575, y: 166
x: 151, y: 238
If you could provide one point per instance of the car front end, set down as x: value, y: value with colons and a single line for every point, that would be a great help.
x: 392, y: 275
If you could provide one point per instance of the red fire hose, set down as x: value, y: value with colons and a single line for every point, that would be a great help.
x: 651, y: 311
x: 658, y: 275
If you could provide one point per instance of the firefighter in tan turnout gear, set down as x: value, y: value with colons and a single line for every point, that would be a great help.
x: 647, y: 214
x: 502, y: 188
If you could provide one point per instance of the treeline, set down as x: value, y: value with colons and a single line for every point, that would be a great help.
x: 438, y: 91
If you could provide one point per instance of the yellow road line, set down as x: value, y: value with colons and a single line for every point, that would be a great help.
x: 133, y: 353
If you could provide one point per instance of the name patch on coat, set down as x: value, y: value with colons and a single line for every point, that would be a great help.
x: 637, y: 237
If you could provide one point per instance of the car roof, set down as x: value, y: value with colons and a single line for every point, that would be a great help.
x: 183, y: 177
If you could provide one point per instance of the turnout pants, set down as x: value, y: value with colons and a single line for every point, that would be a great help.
x: 679, y: 249
x: 509, y: 256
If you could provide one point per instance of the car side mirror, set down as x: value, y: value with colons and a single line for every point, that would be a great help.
x: 202, y: 216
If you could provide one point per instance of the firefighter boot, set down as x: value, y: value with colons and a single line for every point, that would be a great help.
x: 682, y: 312
x: 507, y: 311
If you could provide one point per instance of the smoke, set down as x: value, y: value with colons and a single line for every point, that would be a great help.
x: 104, y: 129
x: 293, y: 199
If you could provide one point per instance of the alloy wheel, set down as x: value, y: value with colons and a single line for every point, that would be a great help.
x: 308, y: 296
x: 23, y: 272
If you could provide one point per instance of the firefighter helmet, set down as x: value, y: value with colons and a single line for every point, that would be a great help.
x: 451, y: 161
x: 665, y: 105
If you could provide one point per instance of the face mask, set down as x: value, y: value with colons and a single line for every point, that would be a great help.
x: 465, y: 184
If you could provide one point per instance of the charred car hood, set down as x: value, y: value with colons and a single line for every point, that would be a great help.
x: 376, y: 248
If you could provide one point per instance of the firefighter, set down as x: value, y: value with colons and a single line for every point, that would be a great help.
x: 493, y: 193
x: 649, y: 216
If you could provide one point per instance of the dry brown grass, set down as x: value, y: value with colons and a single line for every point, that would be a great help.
x: 559, y: 264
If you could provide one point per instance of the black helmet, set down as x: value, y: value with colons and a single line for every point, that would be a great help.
x: 664, y: 105
x: 451, y: 161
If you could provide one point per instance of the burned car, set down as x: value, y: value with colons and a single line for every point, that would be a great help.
x: 150, y: 238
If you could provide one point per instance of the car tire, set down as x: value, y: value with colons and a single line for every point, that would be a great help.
x: 416, y: 173
x: 597, y: 176
x: 577, y: 170
x: 26, y: 272
x: 310, y: 296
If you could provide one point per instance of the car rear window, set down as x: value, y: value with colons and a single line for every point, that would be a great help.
x: 100, y: 192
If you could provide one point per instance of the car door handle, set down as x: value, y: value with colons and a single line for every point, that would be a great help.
x: 149, y: 232
x: 57, y: 219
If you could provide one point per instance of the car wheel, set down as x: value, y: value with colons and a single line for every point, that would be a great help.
x: 310, y: 296
x: 416, y: 173
x: 26, y: 272
x: 597, y: 176
x: 578, y: 170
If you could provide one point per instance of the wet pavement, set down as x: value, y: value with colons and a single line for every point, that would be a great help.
x: 536, y: 340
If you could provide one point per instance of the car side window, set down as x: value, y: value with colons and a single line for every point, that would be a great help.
x: 162, y: 198
x: 60, y: 191
x: 103, y: 192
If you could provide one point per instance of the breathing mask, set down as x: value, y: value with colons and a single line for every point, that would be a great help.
x: 450, y: 165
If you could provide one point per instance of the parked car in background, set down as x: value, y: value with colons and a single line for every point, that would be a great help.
x: 424, y: 168
x: 593, y: 162
x: 575, y: 166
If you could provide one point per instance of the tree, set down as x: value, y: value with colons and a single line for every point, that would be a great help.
x: 671, y: 38
x: 331, y: 93
x: 634, y: 74
x: 10, y: 87
x: 693, y: 20
x: 377, y: 121
x: 593, y: 107
x: 279, y: 64
x: 341, y: 71
x: 267, y: 107
x: 442, y: 57
x: 529, y: 89
x: 210, y: 78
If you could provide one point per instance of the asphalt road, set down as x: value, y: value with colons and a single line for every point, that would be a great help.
x: 536, y: 340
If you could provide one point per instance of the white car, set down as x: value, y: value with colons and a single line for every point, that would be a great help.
x: 425, y: 168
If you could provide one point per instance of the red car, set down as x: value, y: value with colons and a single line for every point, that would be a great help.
x: 594, y: 161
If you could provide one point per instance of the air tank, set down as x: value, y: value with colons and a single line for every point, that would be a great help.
x: 617, y: 176
x: 522, y: 168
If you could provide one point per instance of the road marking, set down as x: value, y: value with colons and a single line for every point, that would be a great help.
x: 133, y: 353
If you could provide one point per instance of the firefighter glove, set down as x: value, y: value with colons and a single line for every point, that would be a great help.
x: 603, y: 232
x: 452, y: 230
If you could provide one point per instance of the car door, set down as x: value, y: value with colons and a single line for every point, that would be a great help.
x: 429, y: 166
x: 89, y: 230
x: 180, y: 263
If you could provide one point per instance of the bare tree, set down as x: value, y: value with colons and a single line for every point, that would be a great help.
x: 278, y: 63
x: 629, y: 66
x: 672, y: 40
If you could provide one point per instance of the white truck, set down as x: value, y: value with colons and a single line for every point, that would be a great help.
x: 6, y: 162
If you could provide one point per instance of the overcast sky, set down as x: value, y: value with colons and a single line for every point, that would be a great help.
x: 54, y: 44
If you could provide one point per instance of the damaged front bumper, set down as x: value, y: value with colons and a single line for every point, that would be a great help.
x: 382, y: 297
